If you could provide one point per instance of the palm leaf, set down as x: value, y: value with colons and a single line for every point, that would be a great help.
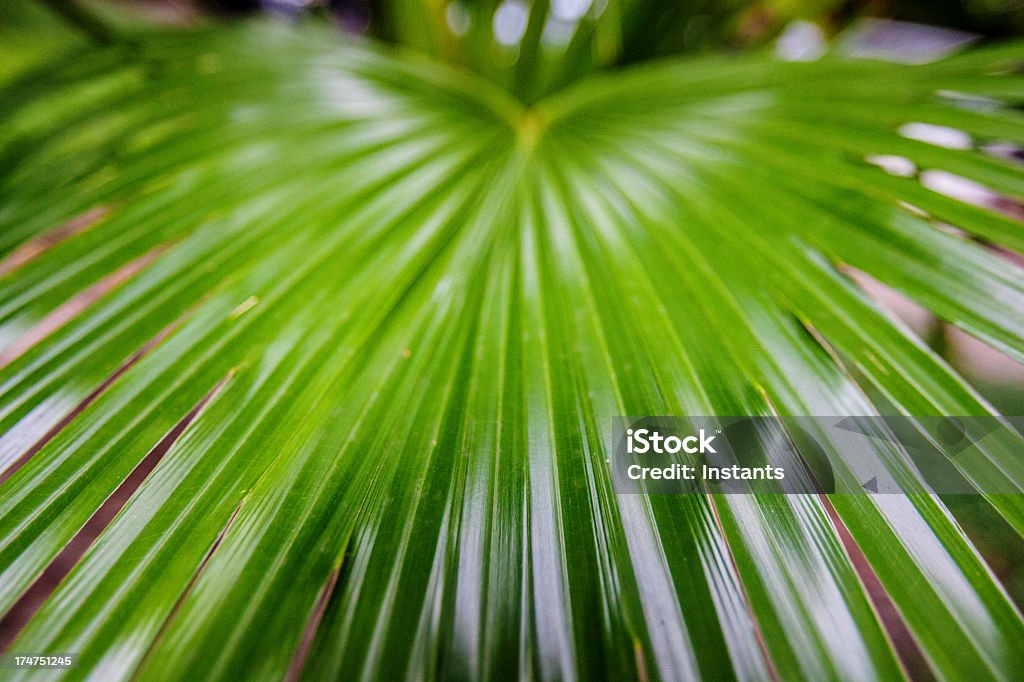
x: 358, y: 324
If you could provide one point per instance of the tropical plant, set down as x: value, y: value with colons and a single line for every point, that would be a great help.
x: 309, y: 351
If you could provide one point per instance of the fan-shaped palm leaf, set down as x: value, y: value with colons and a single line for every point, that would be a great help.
x: 361, y: 324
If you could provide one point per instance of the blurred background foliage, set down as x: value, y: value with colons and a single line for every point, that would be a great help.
x: 530, y: 46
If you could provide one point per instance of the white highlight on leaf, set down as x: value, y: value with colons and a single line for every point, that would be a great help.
x: 958, y: 187
x: 893, y: 165
x: 969, y: 101
x: 1004, y: 150
x: 558, y: 33
x: 569, y: 10
x: 901, y: 42
x: 940, y: 136
x: 510, y: 22
x: 33, y: 426
x: 802, y: 41
x: 457, y: 17
x: 352, y: 96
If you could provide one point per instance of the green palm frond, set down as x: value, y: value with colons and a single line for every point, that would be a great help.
x: 361, y: 322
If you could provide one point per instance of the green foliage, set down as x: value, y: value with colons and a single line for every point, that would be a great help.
x: 544, y: 44
x: 29, y: 35
x: 407, y: 307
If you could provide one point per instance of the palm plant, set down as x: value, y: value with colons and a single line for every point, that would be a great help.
x: 309, y: 350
